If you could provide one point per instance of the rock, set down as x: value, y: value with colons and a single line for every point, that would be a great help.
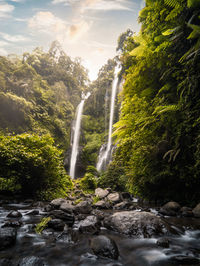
x: 29, y: 201
x: 170, y: 209
x: 102, y: 204
x: 31, y: 261
x: 126, y: 196
x: 89, y: 225
x: 56, y: 224
x: 88, y: 258
x: 67, y: 207
x: 186, y: 212
x: 136, y: 223
x: 64, y: 237
x: 185, y: 260
x: 114, y: 197
x: 122, y: 205
x: 196, y: 211
x: 5, y: 262
x: 57, y: 202
x: 104, y: 247
x: 83, y: 207
x: 66, y: 217
x: 163, y: 242
x: 101, y: 193
x: 12, y: 224
x: 14, y: 214
x: 7, y: 237
x: 33, y: 212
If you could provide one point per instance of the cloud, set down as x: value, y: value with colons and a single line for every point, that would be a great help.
x: 98, y: 5
x: 13, y: 38
x: 47, y: 22
x: 6, y: 10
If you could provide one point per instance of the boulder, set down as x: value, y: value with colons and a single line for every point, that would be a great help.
x: 67, y: 207
x: 122, y: 205
x: 126, y: 196
x: 31, y: 261
x: 114, y: 197
x: 196, y: 211
x: 89, y: 225
x: 56, y: 224
x: 33, y: 212
x: 12, y: 224
x: 83, y: 207
x: 7, y: 237
x: 57, y: 202
x: 134, y: 223
x: 14, y: 214
x: 66, y: 217
x: 186, y: 212
x: 104, y: 246
x: 163, y: 242
x: 101, y: 193
x: 170, y: 209
x: 102, y: 204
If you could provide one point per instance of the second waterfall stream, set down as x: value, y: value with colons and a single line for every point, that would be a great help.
x: 76, y: 136
x: 105, y: 155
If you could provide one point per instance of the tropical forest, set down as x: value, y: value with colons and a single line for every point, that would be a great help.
x: 105, y: 170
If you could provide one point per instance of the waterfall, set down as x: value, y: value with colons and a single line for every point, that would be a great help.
x: 105, y: 154
x: 76, y: 136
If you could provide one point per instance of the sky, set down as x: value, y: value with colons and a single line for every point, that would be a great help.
x: 85, y: 28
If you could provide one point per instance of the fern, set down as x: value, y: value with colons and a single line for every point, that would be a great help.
x: 173, y: 3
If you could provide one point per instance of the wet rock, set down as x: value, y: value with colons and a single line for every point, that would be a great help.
x: 126, y: 196
x: 29, y: 201
x: 101, y: 193
x: 102, y: 204
x: 5, y: 262
x: 196, y: 211
x: 7, y: 237
x: 104, y: 247
x: 66, y: 217
x: 83, y: 207
x: 186, y: 212
x: 57, y: 202
x: 56, y: 224
x: 114, y: 197
x: 185, y: 260
x: 89, y: 225
x: 64, y: 237
x: 12, y: 224
x: 100, y: 214
x: 163, y: 242
x: 31, y: 261
x: 136, y: 223
x: 67, y: 207
x: 122, y: 205
x: 170, y: 209
x: 33, y: 212
x: 14, y: 214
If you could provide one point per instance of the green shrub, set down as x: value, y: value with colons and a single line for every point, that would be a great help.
x: 88, y: 182
x: 114, y: 177
x: 34, y: 165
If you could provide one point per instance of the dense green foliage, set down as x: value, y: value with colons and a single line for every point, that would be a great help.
x: 33, y: 166
x: 158, y: 132
x: 39, y: 93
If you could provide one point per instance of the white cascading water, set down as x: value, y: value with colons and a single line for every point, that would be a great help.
x: 76, y: 137
x: 105, y: 155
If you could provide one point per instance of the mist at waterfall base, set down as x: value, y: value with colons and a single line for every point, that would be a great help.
x: 105, y: 154
x: 76, y: 137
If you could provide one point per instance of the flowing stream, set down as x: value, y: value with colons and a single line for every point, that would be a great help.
x: 76, y: 137
x: 105, y: 155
